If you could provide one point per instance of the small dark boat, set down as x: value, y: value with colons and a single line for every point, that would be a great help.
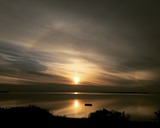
x: 88, y: 104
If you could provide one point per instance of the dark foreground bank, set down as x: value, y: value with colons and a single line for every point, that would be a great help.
x: 36, y: 117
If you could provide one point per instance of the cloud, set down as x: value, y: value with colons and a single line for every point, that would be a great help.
x: 18, y: 62
x: 105, y: 42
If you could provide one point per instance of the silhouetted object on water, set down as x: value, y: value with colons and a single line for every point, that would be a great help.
x: 88, y: 104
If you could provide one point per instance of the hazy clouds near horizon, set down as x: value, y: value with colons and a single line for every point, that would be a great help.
x: 104, y: 42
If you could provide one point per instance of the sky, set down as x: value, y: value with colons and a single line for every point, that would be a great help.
x: 106, y: 44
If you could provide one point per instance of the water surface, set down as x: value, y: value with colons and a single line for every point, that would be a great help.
x: 72, y: 104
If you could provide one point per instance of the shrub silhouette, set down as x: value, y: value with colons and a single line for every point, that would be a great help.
x: 109, y: 115
x: 31, y: 116
x: 157, y: 116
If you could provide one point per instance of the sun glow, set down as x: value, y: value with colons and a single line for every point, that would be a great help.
x: 76, y: 79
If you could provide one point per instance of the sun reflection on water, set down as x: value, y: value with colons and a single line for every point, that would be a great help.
x: 75, y: 92
x: 76, y: 103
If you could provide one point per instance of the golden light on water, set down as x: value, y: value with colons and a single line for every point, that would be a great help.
x: 75, y: 92
x: 76, y: 103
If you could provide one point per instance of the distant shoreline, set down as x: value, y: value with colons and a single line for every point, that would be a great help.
x: 4, y: 91
x: 73, y: 92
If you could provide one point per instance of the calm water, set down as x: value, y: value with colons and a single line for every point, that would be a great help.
x: 139, y: 106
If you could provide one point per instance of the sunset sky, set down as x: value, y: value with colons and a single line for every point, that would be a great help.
x: 99, y: 43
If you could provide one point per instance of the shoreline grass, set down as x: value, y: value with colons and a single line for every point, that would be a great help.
x: 34, y: 116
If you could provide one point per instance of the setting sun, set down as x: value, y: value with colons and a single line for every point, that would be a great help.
x: 76, y: 79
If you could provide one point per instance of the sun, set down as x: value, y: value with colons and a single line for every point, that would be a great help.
x: 76, y: 79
